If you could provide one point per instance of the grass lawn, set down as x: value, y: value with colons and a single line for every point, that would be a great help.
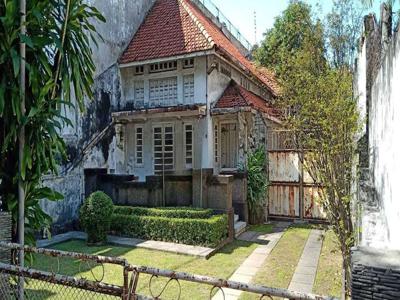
x: 264, y: 228
x: 280, y: 265
x: 329, y: 273
x: 221, y: 265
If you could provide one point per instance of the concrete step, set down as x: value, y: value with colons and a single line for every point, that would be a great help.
x: 240, y: 227
x: 236, y: 218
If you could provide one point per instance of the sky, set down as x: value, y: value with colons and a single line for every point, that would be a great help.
x: 241, y: 14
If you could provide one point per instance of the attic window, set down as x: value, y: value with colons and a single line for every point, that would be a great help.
x: 226, y: 70
x: 139, y: 70
x: 163, y: 66
x: 188, y: 63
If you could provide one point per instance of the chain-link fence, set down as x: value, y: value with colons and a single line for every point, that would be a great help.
x: 100, y: 277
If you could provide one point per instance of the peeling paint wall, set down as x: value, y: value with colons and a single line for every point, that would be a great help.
x: 123, y: 19
x: 379, y: 188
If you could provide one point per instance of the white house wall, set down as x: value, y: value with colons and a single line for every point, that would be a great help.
x: 380, y: 217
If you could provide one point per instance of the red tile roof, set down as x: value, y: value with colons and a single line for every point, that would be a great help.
x: 176, y: 27
x: 236, y: 96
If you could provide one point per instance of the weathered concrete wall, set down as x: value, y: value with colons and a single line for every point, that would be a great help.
x: 123, y: 19
x: 379, y: 191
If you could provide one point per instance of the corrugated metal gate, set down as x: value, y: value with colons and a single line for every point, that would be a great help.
x: 292, y: 193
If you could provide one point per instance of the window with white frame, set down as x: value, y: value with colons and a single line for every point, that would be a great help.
x: 163, y: 66
x: 139, y: 70
x: 188, y: 63
x: 139, y: 93
x: 163, y: 148
x: 188, y: 144
x: 216, y: 143
x: 163, y: 92
x: 139, y: 145
x: 188, y: 89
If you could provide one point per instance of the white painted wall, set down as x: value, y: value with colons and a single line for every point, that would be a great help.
x: 380, y: 229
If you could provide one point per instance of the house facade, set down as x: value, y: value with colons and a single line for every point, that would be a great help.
x: 195, y: 100
x: 175, y: 93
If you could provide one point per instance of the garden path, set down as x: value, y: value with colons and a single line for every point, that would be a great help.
x: 306, y: 270
x: 249, y: 268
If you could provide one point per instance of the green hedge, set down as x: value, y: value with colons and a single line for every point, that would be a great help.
x: 205, y: 232
x: 167, y: 212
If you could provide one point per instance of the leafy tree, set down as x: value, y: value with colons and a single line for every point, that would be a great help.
x: 324, y: 118
x: 58, y: 60
x: 343, y: 28
x: 316, y: 80
x: 287, y: 36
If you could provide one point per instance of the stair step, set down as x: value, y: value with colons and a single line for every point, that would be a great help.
x: 236, y: 218
x: 240, y: 227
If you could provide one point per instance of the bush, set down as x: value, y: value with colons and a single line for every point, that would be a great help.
x: 95, y: 217
x: 168, y: 212
x: 205, y: 232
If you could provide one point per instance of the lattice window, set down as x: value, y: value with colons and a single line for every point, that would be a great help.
x: 139, y: 93
x: 163, y: 66
x: 163, y: 92
x: 188, y: 144
x: 163, y: 148
x: 139, y: 145
x: 188, y: 63
x: 188, y: 89
x: 216, y: 143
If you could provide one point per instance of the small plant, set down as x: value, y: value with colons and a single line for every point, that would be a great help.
x: 95, y: 217
x: 257, y: 184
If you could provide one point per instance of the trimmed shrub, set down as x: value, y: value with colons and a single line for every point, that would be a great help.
x: 205, y: 232
x: 167, y: 212
x: 95, y: 217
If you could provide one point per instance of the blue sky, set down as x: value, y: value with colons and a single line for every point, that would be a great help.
x: 241, y: 13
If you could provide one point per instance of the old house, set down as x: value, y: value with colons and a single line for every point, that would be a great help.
x: 176, y: 95
x: 195, y: 100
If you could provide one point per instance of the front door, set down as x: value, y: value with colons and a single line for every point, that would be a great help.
x: 163, y: 148
x: 229, y: 146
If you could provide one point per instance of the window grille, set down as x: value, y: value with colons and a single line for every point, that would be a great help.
x: 139, y: 145
x: 163, y: 92
x: 188, y: 89
x: 188, y: 142
x: 163, y: 148
x: 163, y: 66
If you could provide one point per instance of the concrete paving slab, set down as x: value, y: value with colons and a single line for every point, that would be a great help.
x: 131, y: 242
x: 304, y: 275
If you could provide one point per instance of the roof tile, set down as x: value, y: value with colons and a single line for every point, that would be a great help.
x: 176, y: 27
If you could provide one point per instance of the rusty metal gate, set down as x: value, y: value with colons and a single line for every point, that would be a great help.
x: 50, y: 284
x: 292, y: 193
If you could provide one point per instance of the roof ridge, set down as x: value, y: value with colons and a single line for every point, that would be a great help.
x: 199, y: 25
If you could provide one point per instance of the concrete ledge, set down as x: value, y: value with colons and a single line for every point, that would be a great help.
x: 377, y: 258
x: 198, y: 251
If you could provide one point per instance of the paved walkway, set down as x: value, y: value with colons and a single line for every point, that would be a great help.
x: 131, y: 242
x: 304, y: 275
x: 249, y: 268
